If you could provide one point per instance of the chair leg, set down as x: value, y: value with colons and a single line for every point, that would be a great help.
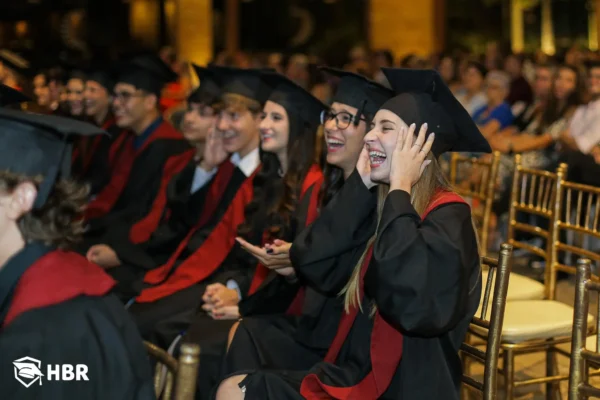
x: 509, y: 374
x: 550, y: 386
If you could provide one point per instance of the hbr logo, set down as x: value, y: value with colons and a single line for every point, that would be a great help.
x: 29, y: 371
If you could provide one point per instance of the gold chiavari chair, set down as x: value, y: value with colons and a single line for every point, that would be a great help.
x: 475, y: 179
x: 581, y: 356
x: 540, y: 326
x: 184, y: 372
x: 493, y: 324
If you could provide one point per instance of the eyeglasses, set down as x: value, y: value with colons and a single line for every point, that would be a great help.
x: 126, y: 96
x: 343, y: 119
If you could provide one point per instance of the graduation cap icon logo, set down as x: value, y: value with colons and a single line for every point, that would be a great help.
x: 27, y: 371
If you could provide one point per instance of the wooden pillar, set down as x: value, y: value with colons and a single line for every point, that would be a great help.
x: 517, y: 30
x: 232, y: 25
x: 405, y: 26
x: 193, y: 27
x: 548, y: 46
x: 144, y: 21
x: 593, y: 22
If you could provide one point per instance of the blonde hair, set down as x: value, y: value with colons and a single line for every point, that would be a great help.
x: 422, y: 192
x: 237, y: 103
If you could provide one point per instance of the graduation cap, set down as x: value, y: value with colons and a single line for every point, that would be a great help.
x: 424, y: 97
x: 294, y: 98
x: 359, y: 92
x: 246, y: 82
x: 104, y: 76
x: 10, y: 96
x: 36, y: 144
x: 14, y: 61
x: 209, y: 90
x: 147, y: 72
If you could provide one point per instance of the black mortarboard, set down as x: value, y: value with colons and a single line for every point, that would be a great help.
x: 294, y: 98
x: 359, y: 92
x: 148, y: 73
x: 104, y: 76
x: 423, y: 97
x: 10, y: 96
x: 15, y: 62
x: 209, y: 90
x: 245, y: 82
x: 35, y: 144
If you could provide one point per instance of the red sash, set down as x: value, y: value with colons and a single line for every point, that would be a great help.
x: 314, y: 178
x: 386, y: 341
x: 57, y: 277
x: 143, y: 229
x: 205, y: 260
x: 108, y: 197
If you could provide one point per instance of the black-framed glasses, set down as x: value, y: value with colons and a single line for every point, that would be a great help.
x: 343, y: 119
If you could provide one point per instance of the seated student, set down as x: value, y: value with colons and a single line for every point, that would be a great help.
x: 285, y: 201
x: 177, y: 285
x: 128, y: 258
x: 145, y: 159
x: 54, y: 305
x: 91, y: 156
x: 416, y: 286
x: 496, y: 115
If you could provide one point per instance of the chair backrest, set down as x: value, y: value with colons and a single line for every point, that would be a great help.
x: 184, y: 372
x: 495, y: 289
x: 533, y: 195
x: 475, y: 179
x: 577, y: 212
x: 579, y: 387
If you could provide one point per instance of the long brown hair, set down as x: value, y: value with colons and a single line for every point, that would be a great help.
x: 432, y: 180
x: 59, y: 222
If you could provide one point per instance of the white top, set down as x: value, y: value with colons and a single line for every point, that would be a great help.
x: 585, y: 126
x: 247, y: 165
x: 474, y: 103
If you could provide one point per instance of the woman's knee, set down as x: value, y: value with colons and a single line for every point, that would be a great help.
x: 229, y: 389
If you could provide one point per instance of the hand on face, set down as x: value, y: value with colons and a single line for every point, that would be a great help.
x: 214, y: 151
x: 408, y: 158
x: 103, y: 255
x: 363, y: 166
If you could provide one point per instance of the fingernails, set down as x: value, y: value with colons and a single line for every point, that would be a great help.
x: 431, y: 136
x: 413, y: 125
x: 425, y: 126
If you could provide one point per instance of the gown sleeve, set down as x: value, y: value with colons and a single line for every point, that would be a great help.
x: 421, y: 271
x: 80, y: 331
x: 324, y: 254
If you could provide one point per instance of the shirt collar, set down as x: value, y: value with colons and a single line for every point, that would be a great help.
x: 249, y: 163
x: 139, y: 140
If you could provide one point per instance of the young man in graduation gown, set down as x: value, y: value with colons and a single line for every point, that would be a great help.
x: 148, y: 157
x: 91, y: 156
x: 152, y: 240
x: 411, y: 297
x: 55, y: 306
x: 169, y: 294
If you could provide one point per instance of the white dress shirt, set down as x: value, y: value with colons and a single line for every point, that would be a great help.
x: 585, y: 126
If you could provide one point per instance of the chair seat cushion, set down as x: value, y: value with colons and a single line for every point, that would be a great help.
x: 520, y: 287
x: 537, y: 319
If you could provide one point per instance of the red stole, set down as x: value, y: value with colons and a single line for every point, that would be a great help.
x: 57, y: 277
x: 123, y: 155
x: 386, y: 341
x: 314, y: 178
x: 142, y: 230
x: 205, y: 260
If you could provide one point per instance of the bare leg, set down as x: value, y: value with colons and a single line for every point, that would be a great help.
x: 229, y: 389
x: 232, y: 334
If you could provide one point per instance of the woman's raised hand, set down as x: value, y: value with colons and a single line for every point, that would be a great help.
x: 408, y: 158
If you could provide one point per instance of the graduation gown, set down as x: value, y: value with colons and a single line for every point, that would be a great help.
x: 184, y: 211
x: 139, y: 175
x: 424, y: 277
x: 56, y: 308
x: 269, y: 294
x: 91, y: 163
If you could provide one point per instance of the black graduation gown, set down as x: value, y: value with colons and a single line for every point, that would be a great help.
x: 272, y: 300
x: 425, y: 279
x: 183, y: 213
x: 93, y: 330
x: 143, y: 184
